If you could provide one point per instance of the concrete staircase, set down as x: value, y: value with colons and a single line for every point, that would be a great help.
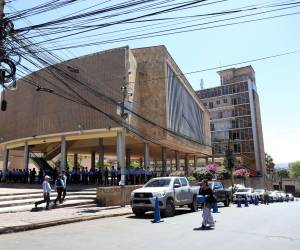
x: 24, y: 201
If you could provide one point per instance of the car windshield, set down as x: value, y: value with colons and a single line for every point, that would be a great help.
x: 158, y: 183
x: 243, y: 190
x: 259, y: 190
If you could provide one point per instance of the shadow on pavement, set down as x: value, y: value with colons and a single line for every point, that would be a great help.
x: 149, y: 215
x: 203, y: 229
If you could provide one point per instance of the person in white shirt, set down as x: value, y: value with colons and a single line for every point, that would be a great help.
x: 46, y: 192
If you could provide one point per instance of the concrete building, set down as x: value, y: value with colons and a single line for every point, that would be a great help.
x: 235, y: 119
x: 170, y: 122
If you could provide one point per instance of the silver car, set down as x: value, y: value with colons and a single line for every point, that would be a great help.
x: 169, y: 191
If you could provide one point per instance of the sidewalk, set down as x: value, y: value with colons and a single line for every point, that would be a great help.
x: 30, y: 220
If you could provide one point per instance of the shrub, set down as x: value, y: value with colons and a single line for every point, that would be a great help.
x: 203, y: 173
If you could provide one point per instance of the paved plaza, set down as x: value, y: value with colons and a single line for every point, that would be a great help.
x: 276, y: 226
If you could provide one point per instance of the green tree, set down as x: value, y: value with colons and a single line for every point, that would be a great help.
x: 295, y: 168
x: 282, y: 173
x: 269, y: 163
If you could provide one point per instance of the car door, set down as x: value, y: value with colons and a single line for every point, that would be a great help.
x: 178, y: 193
x: 217, y: 189
x: 186, y: 191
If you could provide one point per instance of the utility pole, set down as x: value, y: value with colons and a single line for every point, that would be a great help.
x: 230, y: 163
x: 2, y: 3
x: 3, y: 101
x: 121, y: 144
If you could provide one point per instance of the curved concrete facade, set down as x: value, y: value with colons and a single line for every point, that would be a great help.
x: 42, y: 120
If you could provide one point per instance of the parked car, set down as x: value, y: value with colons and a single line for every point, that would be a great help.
x: 244, y: 193
x: 221, y: 193
x: 291, y: 197
x: 259, y: 194
x: 236, y: 187
x: 274, y: 196
x: 170, y: 191
x: 282, y: 196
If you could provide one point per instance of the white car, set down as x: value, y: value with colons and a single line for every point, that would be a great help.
x: 282, y: 196
x: 291, y: 197
x: 274, y: 196
x: 259, y: 194
x: 169, y: 192
x: 243, y: 193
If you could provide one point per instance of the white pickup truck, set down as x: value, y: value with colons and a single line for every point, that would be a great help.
x: 170, y: 191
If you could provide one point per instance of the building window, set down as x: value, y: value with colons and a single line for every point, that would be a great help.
x: 218, y: 102
x: 225, y: 100
x: 236, y: 148
x: 212, y: 127
x: 234, y: 101
x: 211, y: 105
x: 220, y: 115
x: 205, y: 104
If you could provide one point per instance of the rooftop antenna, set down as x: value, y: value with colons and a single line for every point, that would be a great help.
x: 201, y: 84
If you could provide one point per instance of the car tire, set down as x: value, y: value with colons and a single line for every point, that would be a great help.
x: 227, y: 202
x: 170, y: 209
x: 138, y: 212
x: 194, y: 205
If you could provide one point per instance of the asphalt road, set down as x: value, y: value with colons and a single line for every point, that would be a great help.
x: 276, y: 226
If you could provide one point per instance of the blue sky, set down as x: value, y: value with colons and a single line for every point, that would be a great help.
x: 277, y: 79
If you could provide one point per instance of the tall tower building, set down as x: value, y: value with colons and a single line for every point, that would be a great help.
x: 235, y: 119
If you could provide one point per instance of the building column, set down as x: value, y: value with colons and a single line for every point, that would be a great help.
x: 128, y: 157
x: 206, y: 160
x: 93, y: 160
x: 195, y: 162
x: 101, y: 153
x: 63, y: 152
x: 26, y: 156
x: 5, y: 161
x: 146, y: 156
x: 186, y: 164
x: 121, y: 145
x: 251, y: 88
x: 163, y: 161
x: 75, y: 160
x: 177, y: 160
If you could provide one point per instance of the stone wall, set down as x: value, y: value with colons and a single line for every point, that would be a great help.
x: 111, y: 196
x: 254, y: 182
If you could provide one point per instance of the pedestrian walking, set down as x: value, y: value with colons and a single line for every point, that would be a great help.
x: 46, y: 192
x: 112, y: 176
x: 266, y: 197
x: 59, y: 187
x: 40, y: 175
x: 64, y: 178
x: 208, y: 220
x: 106, y: 176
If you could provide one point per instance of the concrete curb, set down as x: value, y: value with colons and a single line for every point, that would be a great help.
x: 22, y: 228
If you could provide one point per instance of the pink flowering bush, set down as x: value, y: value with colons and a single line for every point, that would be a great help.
x: 242, y: 172
x: 211, y: 167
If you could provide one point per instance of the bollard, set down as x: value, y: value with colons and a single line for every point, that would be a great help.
x: 156, y: 218
x: 246, y: 202
x: 215, y: 208
x: 238, y: 203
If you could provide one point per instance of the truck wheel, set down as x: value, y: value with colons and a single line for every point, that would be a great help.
x: 194, y: 205
x: 138, y: 212
x: 170, y: 209
x: 227, y: 202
